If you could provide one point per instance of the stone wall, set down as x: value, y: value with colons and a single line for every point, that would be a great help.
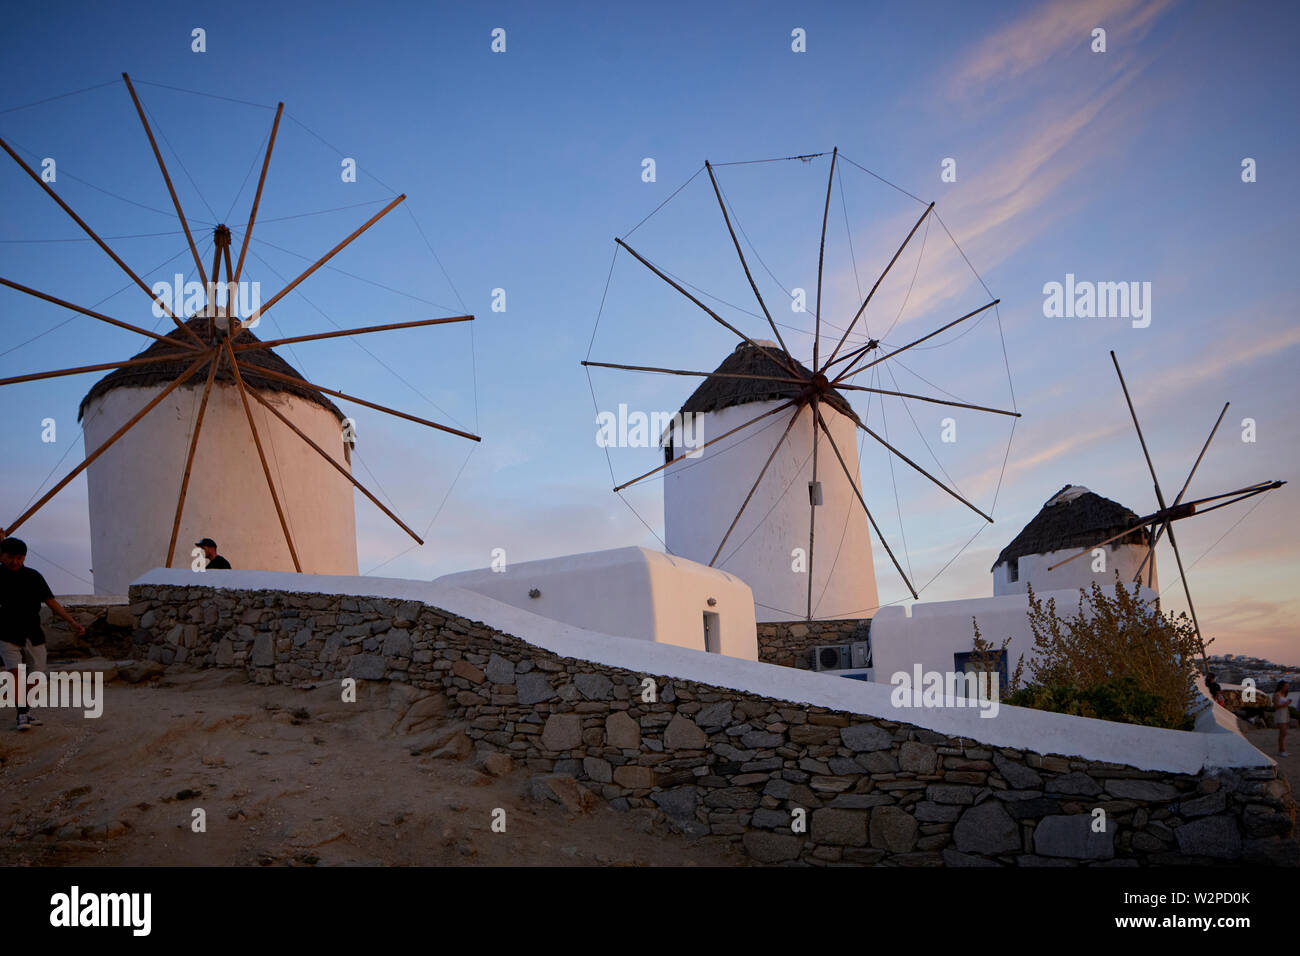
x: 734, y: 765
x: 788, y: 642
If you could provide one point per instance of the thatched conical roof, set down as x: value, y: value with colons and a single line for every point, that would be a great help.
x: 717, y: 393
x: 1073, y: 518
x: 162, y: 373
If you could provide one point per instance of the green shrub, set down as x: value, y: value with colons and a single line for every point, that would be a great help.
x: 1116, y: 658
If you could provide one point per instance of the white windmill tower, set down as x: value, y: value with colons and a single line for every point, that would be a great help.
x: 716, y: 513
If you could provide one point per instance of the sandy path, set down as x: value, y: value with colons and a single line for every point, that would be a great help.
x: 284, y: 776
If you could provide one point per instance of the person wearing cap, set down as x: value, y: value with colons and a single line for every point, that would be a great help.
x: 214, y: 562
x: 22, y: 592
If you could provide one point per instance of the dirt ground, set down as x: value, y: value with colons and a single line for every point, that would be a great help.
x: 289, y: 777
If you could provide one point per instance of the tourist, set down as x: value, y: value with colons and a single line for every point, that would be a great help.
x: 214, y: 562
x: 1281, y: 715
x: 22, y: 592
x: 1212, y: 685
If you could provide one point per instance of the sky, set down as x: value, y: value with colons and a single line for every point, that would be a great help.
x: 522, y: 166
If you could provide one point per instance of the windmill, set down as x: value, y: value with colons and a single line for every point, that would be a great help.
x: 1161, y: 521
x: 806, y: 394
x: 215, y: 340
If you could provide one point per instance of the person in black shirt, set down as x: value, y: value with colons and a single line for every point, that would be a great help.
x: 214, y: 562
x: 22, y: 592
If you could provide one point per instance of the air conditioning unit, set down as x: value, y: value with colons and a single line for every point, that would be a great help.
x: 861, y: 653
x: 832, y: 657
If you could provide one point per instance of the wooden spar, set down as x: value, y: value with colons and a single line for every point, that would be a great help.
x: 817, y: 326
x: 926, y: 398
x: 862, y: 308
x: 269, y: 373
x: 271, y: 343
x: 917, y: 467
x: 99, y: 242
x: 266, y: 470
x: 337, y: 467
x: 850, y: 370
x: 1155, y: 539
x: 189, y: 458
x: 762, y: 471
x: 180, y: 213
x: 257, y: 196
x: 231, y: 295
x: 1187, y: 591
x: 148, y: 360
x: 812, y: 488
x: 112, y: 438
x: 794, y: 370
x: 771, y: 411
x: 96, y: 315
x: 316, y: 265
x: 854, y: 485
x: 1133, y: 412
x: 743, y: 264
x: 676, y: 371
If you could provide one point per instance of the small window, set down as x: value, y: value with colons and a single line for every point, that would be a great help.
x: 994, y: 661
x: 1013, y: 570
x: 712, y: 633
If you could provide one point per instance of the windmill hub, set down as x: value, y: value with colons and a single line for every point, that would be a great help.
x: 221, y: 236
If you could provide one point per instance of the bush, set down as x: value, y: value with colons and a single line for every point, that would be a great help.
x: 1116, y: 658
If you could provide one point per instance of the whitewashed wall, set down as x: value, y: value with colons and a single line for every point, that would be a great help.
x: 633, y: 592
x: 134, y: 485
x: 934, y: 632
x: 702, y: 496
x: 1032, y: 569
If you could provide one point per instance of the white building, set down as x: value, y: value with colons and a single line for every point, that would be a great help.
x: 133, y: 487
x: 768, y: 548
x: 629, y: 592
x: 1071, y: 520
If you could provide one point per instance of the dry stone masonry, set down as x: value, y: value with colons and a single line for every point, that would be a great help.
x: 789, y: 643
x: 707, y: 760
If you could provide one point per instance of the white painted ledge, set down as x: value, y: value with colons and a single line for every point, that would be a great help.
x: 1146, y: 748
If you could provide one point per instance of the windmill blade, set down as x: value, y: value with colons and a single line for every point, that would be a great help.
x: 81, y: 369
x: 851, y: 370
x: 854, y: 485
x: 862, y: 308
x: 762, y: 471
x: 794, y: 370
x: 258, y: 371
x: 743, y: 264
x: 189, y: 458
x: 732, y: 431
x: 152, y: 403
x: 1187, y: 591
x: 813, y: 492
x: 817, y: 316
x: 161, y: 303
x: 677, y: 371
x: 918, y: 468
x: 241, y: 324
x: 317, y: 336
x: 1133, y: 412
x: 100, y: 316
x: 257, y: 197
x: 1195, y: 465
x: 266, y: 469
x: 337, y: 467
x: 927, y: 398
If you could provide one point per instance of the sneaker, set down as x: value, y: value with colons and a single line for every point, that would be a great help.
x: 24, y: 722
x: 1283, y: 753
x: 33, y: 719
